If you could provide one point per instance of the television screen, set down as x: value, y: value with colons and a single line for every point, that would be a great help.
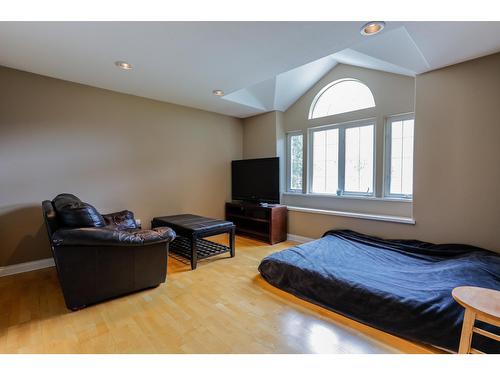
x: 256, y: 180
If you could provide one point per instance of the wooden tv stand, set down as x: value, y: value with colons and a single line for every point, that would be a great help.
x: 266, y: 223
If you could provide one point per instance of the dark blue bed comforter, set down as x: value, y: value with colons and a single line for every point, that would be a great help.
x: 399, y: 286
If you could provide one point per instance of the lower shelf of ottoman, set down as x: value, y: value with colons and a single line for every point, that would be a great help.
x: 204, y: 248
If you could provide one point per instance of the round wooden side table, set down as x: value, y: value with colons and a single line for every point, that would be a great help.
x: 480, y: 304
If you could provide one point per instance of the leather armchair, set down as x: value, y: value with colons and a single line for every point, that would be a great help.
x: 99, y: 257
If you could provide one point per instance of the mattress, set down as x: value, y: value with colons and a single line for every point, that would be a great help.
x: 399, y: 286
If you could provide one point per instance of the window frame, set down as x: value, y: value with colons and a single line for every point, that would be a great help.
x: 388, y: 154
x: 342, y: 126
x: 289, y: 136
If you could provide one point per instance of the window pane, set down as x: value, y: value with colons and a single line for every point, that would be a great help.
x: 359, y: 159
x: 296, y: 155
x: 325, y: 161
x: 402, y: 157
x: 343, y: 96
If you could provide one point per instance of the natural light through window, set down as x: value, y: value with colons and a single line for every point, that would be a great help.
x: 342, y: 96
x: 325, y: 161
x: 295, y: 145
x: 359, y: 160
x: 401, y: 156
x: 342, y: 159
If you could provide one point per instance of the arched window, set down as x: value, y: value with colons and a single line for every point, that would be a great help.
x: 345, y: 95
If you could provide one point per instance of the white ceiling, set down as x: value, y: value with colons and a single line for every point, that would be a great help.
x: 261, y: 66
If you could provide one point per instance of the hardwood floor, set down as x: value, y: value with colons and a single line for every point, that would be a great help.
x: 221, y: 307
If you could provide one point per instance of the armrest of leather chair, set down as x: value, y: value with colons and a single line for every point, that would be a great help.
x: 111, y: 236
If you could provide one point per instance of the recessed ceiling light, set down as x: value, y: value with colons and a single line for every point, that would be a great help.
x: 372, y: 28
x: 218, y: 92
x: 123, y: 65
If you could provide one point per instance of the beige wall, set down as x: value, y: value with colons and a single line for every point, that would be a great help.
x: 457, y: 151
x: 259, y: 136
x: 264, y: 137
x: 457, y: 162
x: 281, y: 147
x: 114, y: 151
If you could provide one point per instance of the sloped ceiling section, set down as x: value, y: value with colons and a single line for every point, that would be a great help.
x: 393, y: 51
x: 395, y: 47
x: 280, y: 92
x: 353, y: 57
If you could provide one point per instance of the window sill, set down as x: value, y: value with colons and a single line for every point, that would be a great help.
x: 362, y: 197
x: 356, y: 215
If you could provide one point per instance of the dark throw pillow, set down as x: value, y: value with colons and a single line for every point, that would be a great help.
x: 65, y: 200
x: 82, y: 215
x: 73, y: 213
x: 121, y: 220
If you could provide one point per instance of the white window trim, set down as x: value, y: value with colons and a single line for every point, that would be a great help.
x: 341, y: 177
x: 366, y: 205
x: 356, y: 215
x: 387, y: 155
x: 289, y: 161
x: 354, y: 197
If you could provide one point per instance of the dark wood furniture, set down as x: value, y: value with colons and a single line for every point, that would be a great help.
x: 266, y: 223
x: 190, y: 230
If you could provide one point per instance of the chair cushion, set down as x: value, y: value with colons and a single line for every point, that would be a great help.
x: 73, y: 213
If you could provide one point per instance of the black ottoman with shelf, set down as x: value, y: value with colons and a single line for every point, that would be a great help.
x: 191, y: 231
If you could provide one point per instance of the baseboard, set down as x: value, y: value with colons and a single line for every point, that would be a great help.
x: 26, y: 267
x: 297, y: 238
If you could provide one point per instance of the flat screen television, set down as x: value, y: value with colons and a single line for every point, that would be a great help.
x: 256, y: 180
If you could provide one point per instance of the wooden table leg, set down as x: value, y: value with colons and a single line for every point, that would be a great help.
x: 194, y: 254
x: 231, y: 241
x: 466, y: 337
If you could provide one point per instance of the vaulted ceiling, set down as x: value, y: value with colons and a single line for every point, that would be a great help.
x: 261, y: 66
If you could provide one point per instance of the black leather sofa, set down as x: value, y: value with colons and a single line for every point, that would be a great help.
x: 99, y: 257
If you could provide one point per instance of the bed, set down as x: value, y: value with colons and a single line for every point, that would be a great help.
x: 399, y: 286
